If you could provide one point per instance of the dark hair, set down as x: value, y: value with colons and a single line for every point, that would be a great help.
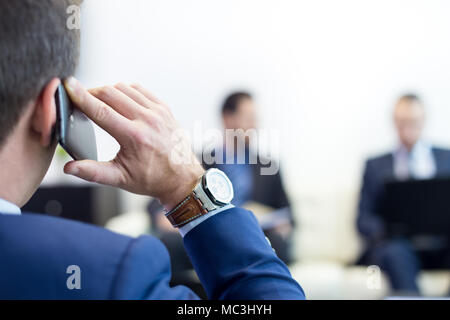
x: 231, y: 103
x: 410, y: 97
x: 35, y: 46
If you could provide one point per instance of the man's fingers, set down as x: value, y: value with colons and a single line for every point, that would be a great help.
x: 140, y: 98
x: 93, y: 171
x: 147, y: 94
x: 119, y: 101
x: 99, y: 112
x: 135, y: 95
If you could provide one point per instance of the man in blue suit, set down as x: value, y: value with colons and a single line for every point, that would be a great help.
x: 49, y: 258
x: 413, y: 159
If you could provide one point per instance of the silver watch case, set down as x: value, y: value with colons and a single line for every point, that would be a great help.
x: 206, y: 197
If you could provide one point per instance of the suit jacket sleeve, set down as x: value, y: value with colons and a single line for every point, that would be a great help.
x: 145, y: 273
x: 234, y: 260
x: 369, y: 224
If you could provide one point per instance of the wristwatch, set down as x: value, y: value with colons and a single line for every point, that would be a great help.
x: 213, y: 191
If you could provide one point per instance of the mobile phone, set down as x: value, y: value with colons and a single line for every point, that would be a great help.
x: 74, y: 130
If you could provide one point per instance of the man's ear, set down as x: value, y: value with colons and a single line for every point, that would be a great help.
x: 44, y: 116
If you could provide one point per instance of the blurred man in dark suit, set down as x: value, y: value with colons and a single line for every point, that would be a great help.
x: 262, y: 193
x: 413, y: 159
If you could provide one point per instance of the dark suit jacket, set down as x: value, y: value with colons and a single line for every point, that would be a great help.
x: 377, y: 172
x: 229, y: 252
x: 268, y: 189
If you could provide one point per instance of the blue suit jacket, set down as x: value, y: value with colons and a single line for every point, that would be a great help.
x: 378, y: 171
x: 228, y: 251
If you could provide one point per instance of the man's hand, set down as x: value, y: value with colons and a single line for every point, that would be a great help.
x: 154, y: 158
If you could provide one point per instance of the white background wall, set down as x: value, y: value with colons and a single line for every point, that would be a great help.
x: 325, y: 72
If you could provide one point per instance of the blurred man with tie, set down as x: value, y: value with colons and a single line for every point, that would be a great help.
x: 413, y: 159
x: 263, y: 194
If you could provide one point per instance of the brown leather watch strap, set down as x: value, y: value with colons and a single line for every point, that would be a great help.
x: 186, y: 211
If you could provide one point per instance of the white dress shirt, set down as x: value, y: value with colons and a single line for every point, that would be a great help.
x: 7, y: 207
x: 419, y: 163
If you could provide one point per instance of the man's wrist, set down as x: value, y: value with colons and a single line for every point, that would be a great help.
x: 209, y: 191
x: 183, y: 188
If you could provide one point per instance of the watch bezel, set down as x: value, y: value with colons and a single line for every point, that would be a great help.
x: 209, y: 193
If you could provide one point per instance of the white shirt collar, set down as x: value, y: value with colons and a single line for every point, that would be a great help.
x: 417, y: 164
x: 419, y: 149
x: 7, y: 207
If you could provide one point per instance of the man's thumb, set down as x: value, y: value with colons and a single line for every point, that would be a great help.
x: 94, y: 171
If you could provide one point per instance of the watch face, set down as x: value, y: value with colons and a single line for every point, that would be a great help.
x: 220, y: 187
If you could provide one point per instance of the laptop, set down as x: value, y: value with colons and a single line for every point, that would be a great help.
x: 91, y: 204
x: 417, y: 207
